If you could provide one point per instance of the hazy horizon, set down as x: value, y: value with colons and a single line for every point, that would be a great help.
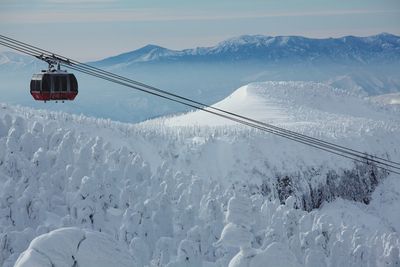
x: 92, y: 29
x: 211, y: 45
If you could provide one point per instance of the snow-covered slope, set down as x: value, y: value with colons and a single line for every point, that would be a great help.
x: 366, y: 83
x: 294, y: 104
x: 176, y: 193
x: 388, y: 99
x: 75, y: 247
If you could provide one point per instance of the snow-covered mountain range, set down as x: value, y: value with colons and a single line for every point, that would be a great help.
x: 381, y: 48
x: 11, y: 61
x: 191, y: 190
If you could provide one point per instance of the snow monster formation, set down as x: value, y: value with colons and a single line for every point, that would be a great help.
x: 76, y: 191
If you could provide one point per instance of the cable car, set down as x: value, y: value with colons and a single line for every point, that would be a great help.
x: 54, y: 84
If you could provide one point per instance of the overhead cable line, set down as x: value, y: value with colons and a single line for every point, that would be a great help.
x: 365, y: 156
x: 70, y: 62
x: 304, y: 139
x: 152, y: 88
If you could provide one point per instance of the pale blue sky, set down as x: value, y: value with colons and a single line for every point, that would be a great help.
x: 93, y: 29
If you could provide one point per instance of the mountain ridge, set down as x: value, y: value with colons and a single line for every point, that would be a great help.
x: 374, y: 48
x: 294, y: 105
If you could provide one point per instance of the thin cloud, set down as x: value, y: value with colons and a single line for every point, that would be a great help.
x: 155, y: 15
x: 79, y: 1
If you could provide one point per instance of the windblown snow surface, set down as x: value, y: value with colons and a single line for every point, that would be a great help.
x: 194, y: 190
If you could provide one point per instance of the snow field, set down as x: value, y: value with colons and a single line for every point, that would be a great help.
x: 58, y: 179
x: 193, y: 195
x: 295, y: 104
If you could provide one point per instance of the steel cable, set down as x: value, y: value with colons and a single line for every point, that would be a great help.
x: 87, y: 69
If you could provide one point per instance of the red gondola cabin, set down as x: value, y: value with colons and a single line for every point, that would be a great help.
x: 54, y: 85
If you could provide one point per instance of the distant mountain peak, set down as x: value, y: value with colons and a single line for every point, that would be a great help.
x: 13, y: 60
x: 14, y: 57
x: 246, y: 39
x: 146, y: 53
x: 386, y: 34
x: 152, y: 47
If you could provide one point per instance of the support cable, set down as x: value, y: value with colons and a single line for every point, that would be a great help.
x: 304, y: 139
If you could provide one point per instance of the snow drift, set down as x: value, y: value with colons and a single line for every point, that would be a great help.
x: 172, y: 192
x: 289, y: 104
x: 74, y: 247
